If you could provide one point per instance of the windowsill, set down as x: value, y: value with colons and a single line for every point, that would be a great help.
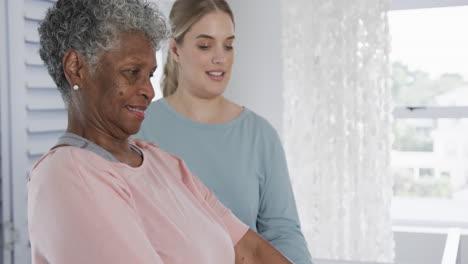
x: 429, y: 212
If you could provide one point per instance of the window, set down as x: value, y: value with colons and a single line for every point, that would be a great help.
x: 426, y: 173
x: 430, y: 90
x: 156, y: 80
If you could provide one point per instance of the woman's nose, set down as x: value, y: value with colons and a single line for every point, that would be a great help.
x: 219, y: 60
x: 219, y: 57
x: 147, y: 90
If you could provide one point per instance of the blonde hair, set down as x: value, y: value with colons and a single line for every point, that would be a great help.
x: 184, y: 14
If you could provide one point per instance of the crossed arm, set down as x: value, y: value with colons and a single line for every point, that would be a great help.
x: 253, y: 249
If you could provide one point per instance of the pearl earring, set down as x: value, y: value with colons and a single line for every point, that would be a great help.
x: 76, y: 87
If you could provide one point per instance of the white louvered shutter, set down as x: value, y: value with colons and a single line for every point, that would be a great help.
x: 31, y: 123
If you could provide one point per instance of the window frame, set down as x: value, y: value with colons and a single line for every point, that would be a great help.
x: 427, y: 111
x: 420, y: 4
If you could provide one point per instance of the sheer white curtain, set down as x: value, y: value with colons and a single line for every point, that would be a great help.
x: 337, y: 121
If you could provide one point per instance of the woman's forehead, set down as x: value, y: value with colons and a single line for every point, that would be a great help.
x: 132, y: 47
x: 213, y: 25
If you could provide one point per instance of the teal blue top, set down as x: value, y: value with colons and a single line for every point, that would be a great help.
x: 243, y: 162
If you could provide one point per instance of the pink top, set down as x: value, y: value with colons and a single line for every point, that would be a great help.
x: 85, y: 209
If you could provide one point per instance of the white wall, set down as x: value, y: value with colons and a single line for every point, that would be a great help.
x: 419, y: 247
x: 3, y: 104
x: 257, y: 80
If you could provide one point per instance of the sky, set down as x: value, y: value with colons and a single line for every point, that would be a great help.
x: 434, y: 40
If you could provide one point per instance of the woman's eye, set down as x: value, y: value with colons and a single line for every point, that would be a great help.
x: 203, y: 47
x: 134, y: 71
x: 229, y: 47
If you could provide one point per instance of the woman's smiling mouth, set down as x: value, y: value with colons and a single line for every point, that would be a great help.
x: 216, y: 75
x: 139, y: 111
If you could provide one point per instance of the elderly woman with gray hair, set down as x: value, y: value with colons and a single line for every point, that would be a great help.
x: 97, y: 198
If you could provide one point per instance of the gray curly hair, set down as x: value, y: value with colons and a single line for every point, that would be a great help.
x: 90, y: 26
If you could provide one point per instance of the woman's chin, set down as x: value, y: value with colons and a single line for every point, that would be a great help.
x: 132, y: 130
x: 213, y: 92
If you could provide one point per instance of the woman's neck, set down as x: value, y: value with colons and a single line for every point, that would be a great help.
x: 204, y: 110
x: 118, y: 146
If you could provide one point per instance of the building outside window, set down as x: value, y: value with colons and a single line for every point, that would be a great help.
x: 429, y: 61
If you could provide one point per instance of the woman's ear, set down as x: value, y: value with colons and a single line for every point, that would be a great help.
x: 73, y: 67
x: 174, y: 50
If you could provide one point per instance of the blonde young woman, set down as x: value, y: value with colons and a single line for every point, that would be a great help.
x: 234, y: 151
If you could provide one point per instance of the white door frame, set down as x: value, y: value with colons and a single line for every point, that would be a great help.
x: 6, y: 253
x: 13, y: 121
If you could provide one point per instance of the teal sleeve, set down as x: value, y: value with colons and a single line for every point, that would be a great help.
x: 278, y: 220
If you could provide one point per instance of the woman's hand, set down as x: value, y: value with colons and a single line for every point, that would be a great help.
x: 253, y: 249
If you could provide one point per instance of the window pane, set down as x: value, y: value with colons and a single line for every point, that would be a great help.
x: 430, y: 56
x: 430, y: 170
x: 157, y: 76
x: 413, y: 135
x: 430, y: 158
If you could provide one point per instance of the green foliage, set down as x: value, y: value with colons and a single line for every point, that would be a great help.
x: 407, y: 186
x: 416, y: 88
x: 407, y: 137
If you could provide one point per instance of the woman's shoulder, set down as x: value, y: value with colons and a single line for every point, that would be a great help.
x: 81, y: 169
x: 60, y: 156
x: 260, y: 124
x: 67, y: 161
x: 57, y: 167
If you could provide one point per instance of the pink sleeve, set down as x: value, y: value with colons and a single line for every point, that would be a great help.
x: 72, y: 221
x: 235, y: 227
